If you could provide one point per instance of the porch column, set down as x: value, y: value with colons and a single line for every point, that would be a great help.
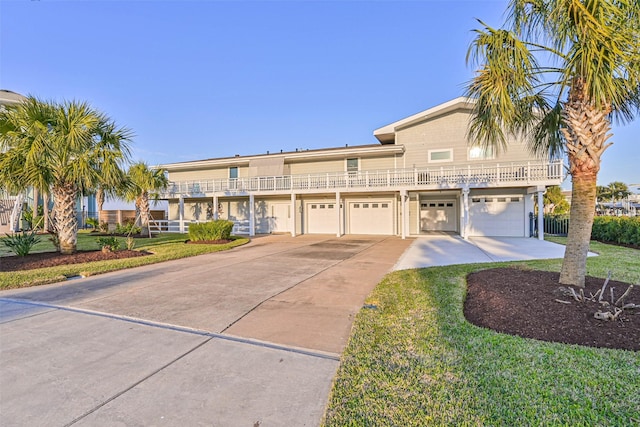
x: 215, y: 207
x: 180, y: 213
x: 338, y: 234
x: 540, y: 215
x: 403, y: 204
x: 252, y: 219
x: 465, y: 213
x: 293, y: 215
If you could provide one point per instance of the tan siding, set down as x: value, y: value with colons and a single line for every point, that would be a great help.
x: 377, y: 163
x: 448, y: 132
x: 413, y: 214
x: 317, y: 166
x: 196, y: 175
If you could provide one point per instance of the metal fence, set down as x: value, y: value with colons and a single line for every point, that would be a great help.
x: 554, y: 225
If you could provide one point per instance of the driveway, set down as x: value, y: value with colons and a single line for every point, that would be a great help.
x: 448, y: 249
x: 246, y: 337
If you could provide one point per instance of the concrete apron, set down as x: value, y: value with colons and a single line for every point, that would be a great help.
x: 67, y: 362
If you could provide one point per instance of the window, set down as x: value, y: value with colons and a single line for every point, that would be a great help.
x: 374, y: 205
x: 480, y: 153
x: 233, y: 172
x: 436, y: 156
x: 352, y: 166
x: 356, y: 205
x: 365, y: 205
x: 515, y: 199
x: 385, y: 205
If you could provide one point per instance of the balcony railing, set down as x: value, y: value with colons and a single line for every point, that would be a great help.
x: 443, y: 177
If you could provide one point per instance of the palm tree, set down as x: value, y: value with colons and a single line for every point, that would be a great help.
x: 143, y: 183
x: 559, y: 73
x: 68, y: 148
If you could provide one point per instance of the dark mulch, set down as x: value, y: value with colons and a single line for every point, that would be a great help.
x: 522, y: 302
x: 52, y: 259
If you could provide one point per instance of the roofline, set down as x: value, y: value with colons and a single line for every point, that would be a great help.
x: 386, y: 134
x: 290, y: 155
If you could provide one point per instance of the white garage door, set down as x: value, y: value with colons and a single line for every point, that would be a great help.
x: 496, y: 216
x: 371, y: 217
x: 322, y: 218
x: 438, y: 215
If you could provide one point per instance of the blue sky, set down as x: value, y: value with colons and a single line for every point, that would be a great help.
x: 204, y: 79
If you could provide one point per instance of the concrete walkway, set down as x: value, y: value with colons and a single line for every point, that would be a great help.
x: 246, y: 337
x: 447, y: 249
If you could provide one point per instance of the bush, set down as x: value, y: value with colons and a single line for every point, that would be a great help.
x: 21, y: 243
x: 215, y: 230
x: 108, y: 244
x: 93, y: 223
x: 622, y: 230
x: 127, y: 227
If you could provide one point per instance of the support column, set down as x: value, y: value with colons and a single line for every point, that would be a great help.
x: 293, y: 215
x: 215, y: 207
x: 338, y: 234
x: 403, y: 204
x: 540, y: 215
x: 252, y: 219
x: 465, y: 214
x: 180, y: 213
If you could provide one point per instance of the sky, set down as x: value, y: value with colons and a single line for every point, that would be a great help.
x: 204, y: 79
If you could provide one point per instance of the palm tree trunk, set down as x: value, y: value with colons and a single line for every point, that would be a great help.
x: 65, y: 216
x: 583, y: 208
x: 45, y: 210
x: 587, y: 130
x: 144, y: 213
x: 100, y: 201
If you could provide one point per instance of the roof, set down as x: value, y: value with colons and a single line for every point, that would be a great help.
x: 324, y: 153
x: 8, y: 97
x: 387, y: 134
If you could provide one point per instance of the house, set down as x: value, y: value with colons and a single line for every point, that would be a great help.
x: 421, y: 176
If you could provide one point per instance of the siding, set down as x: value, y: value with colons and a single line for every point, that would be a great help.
x: 317, y: 166
x: 448, y: 132
x: 204, y: 174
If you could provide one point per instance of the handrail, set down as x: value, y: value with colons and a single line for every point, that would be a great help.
x: 476, y: 175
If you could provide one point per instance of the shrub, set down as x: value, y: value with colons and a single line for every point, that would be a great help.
x: 104, y: 227
x: 624, y: 230
x: 215, y: 230
x: 127, y: 227
x: 21, y: 243
x: 93, y: 223
x: 108, y: 244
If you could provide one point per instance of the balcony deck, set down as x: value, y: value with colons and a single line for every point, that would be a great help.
x: 438, y: 178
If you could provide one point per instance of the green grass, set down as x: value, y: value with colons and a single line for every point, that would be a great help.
x: 415, y: 361
x: 164, y: 247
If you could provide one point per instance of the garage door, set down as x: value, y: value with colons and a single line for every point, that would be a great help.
x: 496, y: 216
x: 371, y: 217
x: 438, y: 215
x: 322, y: 218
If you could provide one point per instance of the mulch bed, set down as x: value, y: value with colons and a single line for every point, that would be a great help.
x: 52, y: 259
x: 522, y: 302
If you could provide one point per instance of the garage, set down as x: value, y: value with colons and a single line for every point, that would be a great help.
x: 438, y: 215
x: 496, y: 216
x: 322, y: 218
x: 371, y: 217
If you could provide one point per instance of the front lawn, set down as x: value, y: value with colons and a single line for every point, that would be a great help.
x: 164, y: 247
x: 413, y: 360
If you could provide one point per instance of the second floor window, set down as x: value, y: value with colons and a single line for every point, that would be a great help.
x: 233, y: 172
x: 352, y: 166
x: 436, y: 156
x: 480, y: 153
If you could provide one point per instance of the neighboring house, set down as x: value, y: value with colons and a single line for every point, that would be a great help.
x: 421, y: 177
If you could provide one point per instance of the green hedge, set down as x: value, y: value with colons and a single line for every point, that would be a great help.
x: 616, y: 229
x: 214, y: 230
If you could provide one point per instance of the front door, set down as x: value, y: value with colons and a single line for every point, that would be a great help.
x: 280, y: 217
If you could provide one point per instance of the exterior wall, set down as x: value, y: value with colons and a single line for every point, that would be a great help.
x: 203, y: 174
x: 448, y: 132
x: 317, y: 166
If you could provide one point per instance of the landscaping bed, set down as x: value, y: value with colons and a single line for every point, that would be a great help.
x: 527, y: 303
x: 53, y: 259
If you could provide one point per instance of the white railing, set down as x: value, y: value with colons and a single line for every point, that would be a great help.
x: 435, y: 177
x: 177, y: 226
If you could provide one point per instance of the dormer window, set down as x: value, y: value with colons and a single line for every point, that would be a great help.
x: 480, y: 153
x: 436, y: 156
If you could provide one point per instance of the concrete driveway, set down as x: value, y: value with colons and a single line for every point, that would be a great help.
x: 246, y: 337
x: 448, y: 249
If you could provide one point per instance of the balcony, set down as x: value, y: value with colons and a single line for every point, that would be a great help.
x: 454, y: 177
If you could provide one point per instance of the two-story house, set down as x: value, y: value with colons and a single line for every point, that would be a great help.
x: 422, y: 176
